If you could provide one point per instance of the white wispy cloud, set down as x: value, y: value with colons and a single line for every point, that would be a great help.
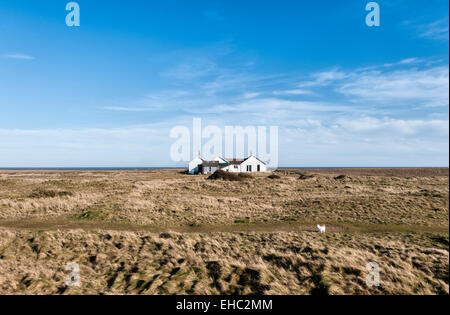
x: 293, y: 92
x: 275, y: 108
x: 162, y: 100
x: 408, y: 61
x: 435, y: 30
x: 411, y: 81
x: 130, y: 109
x: 427, y: 87
x: 18, y: 56
x: 249, y: 95
x: 192, y: 70
x: 324, y: 78
x: 397, y: 127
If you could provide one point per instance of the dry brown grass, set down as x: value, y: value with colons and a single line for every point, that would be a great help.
x: 410, y: 171
x: 159, y: 232
x: 221, y: 263
x: 172, y: 199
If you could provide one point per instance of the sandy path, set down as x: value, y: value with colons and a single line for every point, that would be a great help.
x: 252, y: 227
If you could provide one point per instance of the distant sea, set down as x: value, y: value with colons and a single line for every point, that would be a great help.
x: 177, y: 168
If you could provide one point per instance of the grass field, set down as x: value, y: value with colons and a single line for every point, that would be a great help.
x: 165, y: 232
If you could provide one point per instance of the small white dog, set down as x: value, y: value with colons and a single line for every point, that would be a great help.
x: 322, y: 229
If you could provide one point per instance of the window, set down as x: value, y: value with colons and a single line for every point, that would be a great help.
x: 259, y: 168
x: 236, y: 167
x: 249, y: 168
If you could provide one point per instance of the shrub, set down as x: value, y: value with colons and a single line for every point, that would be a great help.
x: 226, y: 176
x: 42, y: 193
x: 305, y: 176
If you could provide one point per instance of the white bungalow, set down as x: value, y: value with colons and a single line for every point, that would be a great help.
x: 249, y: 165
x: 194, y: 165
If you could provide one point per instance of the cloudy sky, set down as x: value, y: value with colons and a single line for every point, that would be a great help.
x: 108, y: 93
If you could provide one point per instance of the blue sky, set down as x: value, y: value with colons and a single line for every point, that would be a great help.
x: 107, y: 93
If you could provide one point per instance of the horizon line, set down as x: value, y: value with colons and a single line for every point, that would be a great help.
x: 180, y: 167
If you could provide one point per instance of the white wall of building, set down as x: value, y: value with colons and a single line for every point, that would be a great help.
x: 193, y: 165
x: 232, y: 168
x: 253, y: 163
